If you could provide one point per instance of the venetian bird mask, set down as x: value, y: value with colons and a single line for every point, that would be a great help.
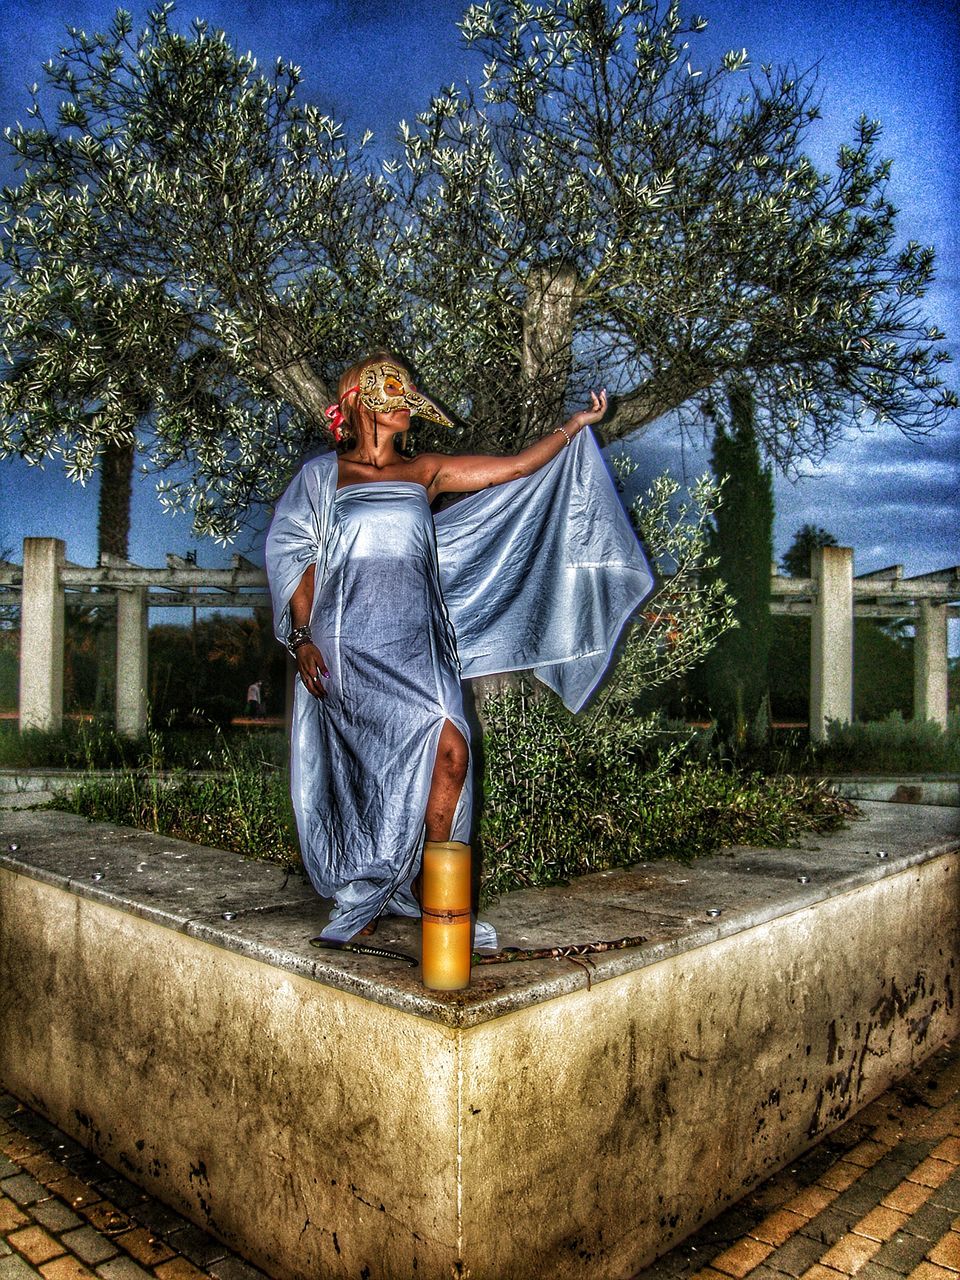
x: 385, y: 386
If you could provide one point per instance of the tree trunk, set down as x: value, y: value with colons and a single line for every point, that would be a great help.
x: 113, y: 539
x: 113, y: 516
x: 281, y: 362
x: 553, y: 296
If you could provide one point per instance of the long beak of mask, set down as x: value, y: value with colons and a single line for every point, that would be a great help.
x: 385, y: 387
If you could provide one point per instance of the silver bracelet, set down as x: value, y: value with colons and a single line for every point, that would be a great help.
x: 563, y: 432
x: 297, y: 637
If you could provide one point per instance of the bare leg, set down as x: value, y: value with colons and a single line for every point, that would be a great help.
x: 449, y: 775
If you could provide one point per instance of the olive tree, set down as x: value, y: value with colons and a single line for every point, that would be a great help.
x: 192, y: 253
x: 178, y: 253
x: 661, y: 219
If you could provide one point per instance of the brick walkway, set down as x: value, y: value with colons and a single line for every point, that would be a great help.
x: 879, y: 1199
x: 65, y: 1215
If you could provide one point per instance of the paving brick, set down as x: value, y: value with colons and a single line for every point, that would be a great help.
x: 106, y: 1217
x: 159, y: 1217
x: 850, y: 1253
x: 234, y: 1268
x: 144, y: 1246
x: 840, y: 1176
x: 43, y: 1167
x: 35, y: 1126
x: 7, y: 1168
x: 866, y: 1154
x: 8, y: 1105
x: 122, y: 1193
x: 830, y: 1225
x: 946, y: 1253
x: 903, y: 1252
x: 5, y: 1249
x: 65, y: 1269
x: 932, y: 1173
x: 54, y: 1215
x: 708, y: 1273
x: 930, y: 1271
x: 74, y: 1191
x: 889, y: 1131
x: 10, y: 1215
x: 907, y: 1196
x: 24, y: 1189
x: 14, y: 1268
x: 931, y: 1221
x: 87, y: 1167
x: 858, y: 1200
x: 881, y: 1223
x: 122, y: 1269
x: 196, y: 1245
x: 811, y: 1201
x: 778, y: 1227
x: 35, y: 1244
x: 949, y: 1194
x: 179, y: 1269
x: 90, y: 1245
x: 16, y: 1144
x: 819, y: 1272
x: 741, y: 1258
x: 873, y: 1271
x: 797, y: 1255
x: 949, y: 1149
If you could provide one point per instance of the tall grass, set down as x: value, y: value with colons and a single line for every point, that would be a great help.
x: 243, y: 804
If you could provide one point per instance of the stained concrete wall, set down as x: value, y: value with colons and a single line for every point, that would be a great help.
x: 324, y: 1135
x: 312, y: 1131
x: 667, y: 1093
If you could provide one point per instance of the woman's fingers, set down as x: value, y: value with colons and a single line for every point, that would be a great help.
x: 312, y: 668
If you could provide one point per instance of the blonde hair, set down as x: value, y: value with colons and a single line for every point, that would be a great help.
x: 350, y: 406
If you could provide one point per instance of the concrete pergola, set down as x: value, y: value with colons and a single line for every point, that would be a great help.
x: 831, y: 597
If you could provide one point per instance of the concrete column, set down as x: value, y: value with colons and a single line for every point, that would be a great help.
x: 41, y: 635
x: 930, y: 663
x: 831, y: 639
x: 132, y: 662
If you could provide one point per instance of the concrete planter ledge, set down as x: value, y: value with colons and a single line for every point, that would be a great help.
x: 915, y: 788
x: 325, y: 1115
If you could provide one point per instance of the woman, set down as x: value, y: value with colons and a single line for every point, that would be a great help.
x: 385, y: 608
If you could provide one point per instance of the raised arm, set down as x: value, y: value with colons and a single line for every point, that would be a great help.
x: 470, y: 472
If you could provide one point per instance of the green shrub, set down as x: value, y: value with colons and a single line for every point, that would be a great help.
x: 893, y: 745
x: 94, y: 744
x: 558, y: 803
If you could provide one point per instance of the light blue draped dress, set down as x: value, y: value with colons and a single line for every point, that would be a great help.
x: 540, y: 573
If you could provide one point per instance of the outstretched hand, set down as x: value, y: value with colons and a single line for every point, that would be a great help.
x: 311, y: 667
x: 586, y: 417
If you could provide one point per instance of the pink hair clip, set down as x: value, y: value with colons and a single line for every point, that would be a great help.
x: 335, y: 415
x: 336, y: 421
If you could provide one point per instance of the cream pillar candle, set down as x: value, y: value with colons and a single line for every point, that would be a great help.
x: 445, y: 925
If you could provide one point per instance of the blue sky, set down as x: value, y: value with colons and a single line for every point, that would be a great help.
x: 893, y: 500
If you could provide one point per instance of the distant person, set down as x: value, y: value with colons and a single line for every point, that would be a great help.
x: 255, y: 700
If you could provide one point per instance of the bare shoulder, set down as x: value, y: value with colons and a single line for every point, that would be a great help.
x: 425, y: 467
